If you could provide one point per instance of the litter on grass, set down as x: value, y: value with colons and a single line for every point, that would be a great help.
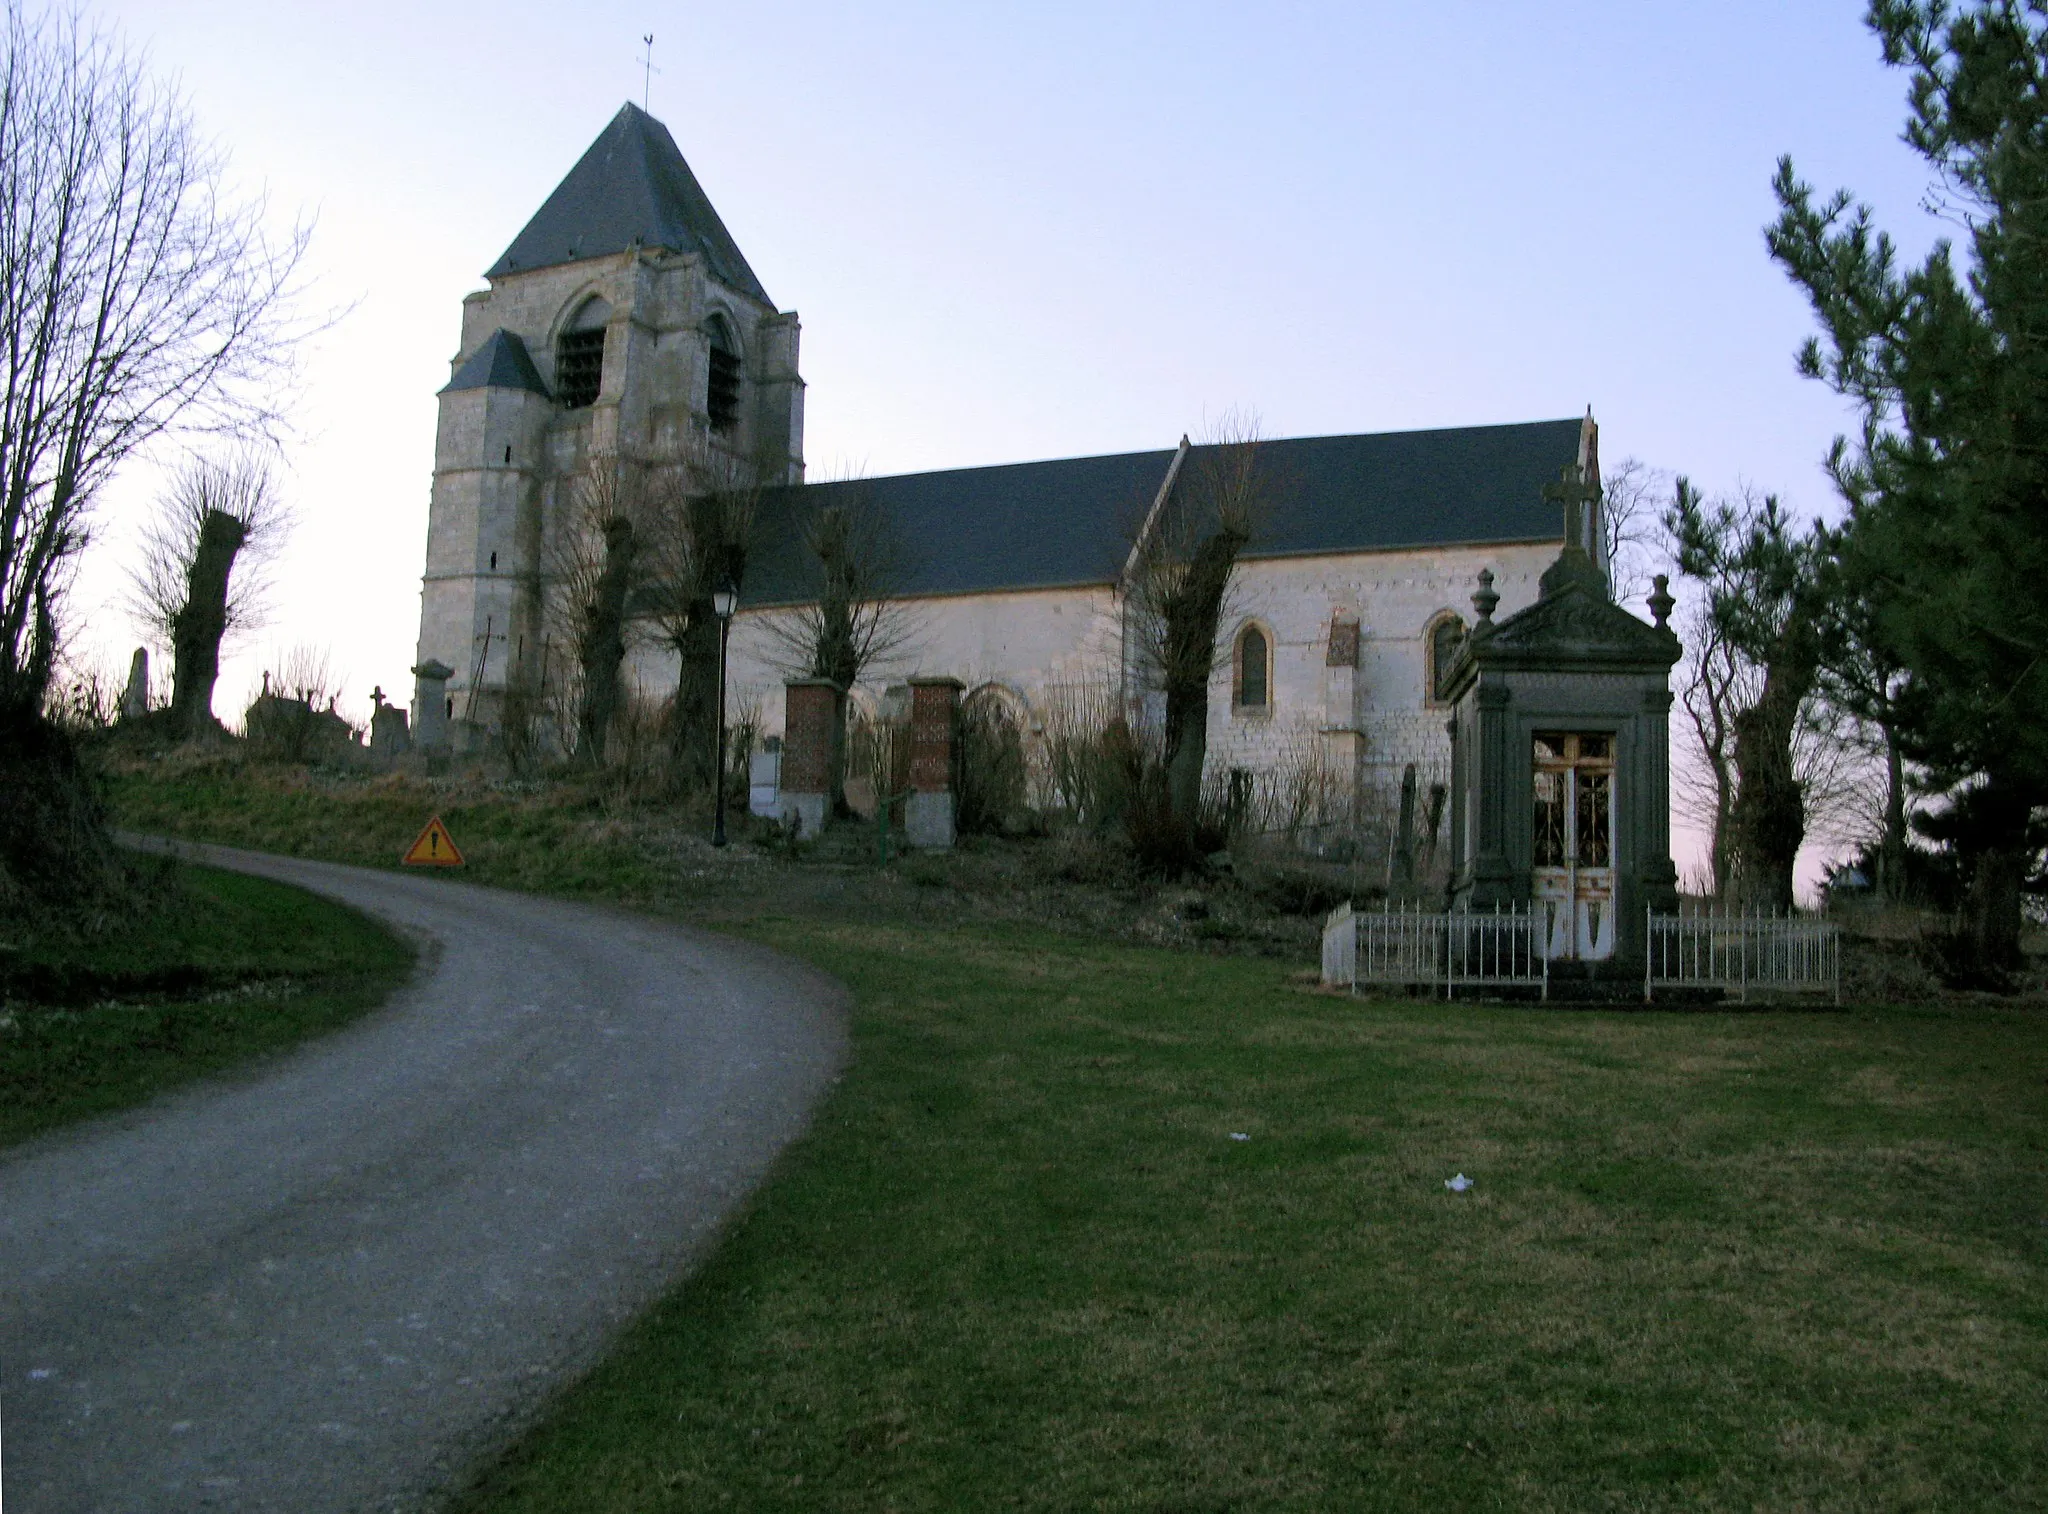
x: 1239, y: 1135
x: 1458, y: 1184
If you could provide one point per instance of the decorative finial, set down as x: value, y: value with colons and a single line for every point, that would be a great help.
x: 1660, y: 601
x: 377, y: 697
x: 1485, y: 600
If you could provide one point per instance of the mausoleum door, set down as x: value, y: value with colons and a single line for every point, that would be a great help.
x: 1573, y: 852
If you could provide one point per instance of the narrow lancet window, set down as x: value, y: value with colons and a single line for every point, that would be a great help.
x: 1252, y: 669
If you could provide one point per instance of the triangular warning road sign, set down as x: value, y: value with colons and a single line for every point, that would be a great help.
x: 435, y: 848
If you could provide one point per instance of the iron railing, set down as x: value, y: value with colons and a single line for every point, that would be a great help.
x: 1406, y: 947
x: 1743, y: 954
x: 1437, y: 949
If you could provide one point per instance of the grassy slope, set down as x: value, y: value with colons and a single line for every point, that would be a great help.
x: 548, y: 848
x: 1783, y: 1259
x: 224, y: 968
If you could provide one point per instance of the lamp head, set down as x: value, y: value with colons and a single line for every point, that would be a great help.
x: 724, y: 600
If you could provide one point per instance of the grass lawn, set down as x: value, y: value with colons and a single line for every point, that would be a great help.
x: 1750, y: 1260
x: 1783, y: 1259
x: 221, y: 968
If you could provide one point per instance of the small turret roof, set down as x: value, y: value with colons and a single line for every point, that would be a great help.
x: 632, y: 188
x: 502, y: 362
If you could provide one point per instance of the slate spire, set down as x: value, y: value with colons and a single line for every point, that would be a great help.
x: 631, y: 188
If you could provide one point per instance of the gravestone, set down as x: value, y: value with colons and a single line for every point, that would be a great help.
x: 929, y: 811
x: 813, y: 732
x: 390, y: 735
x: 430, y: 712
x: 1560, y: 758
x: 135, y: 698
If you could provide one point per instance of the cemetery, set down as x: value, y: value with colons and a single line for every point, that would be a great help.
x: 1439, y: 965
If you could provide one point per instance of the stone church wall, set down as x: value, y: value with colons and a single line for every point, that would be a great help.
x: 1360, y: 727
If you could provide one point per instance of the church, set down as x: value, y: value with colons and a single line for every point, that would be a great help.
x: 624, y: 321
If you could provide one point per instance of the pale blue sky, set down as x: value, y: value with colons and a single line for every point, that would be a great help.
x: 1031, y: 231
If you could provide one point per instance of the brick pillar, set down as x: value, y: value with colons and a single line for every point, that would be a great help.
x: 934, y: 735
x: 811, y: 735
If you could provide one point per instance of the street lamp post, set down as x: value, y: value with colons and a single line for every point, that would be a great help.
x: 724, y: 600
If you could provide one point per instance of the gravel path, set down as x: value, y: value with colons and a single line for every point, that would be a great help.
x: 333, y: 1282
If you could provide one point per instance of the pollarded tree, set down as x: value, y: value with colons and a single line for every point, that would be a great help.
x: 855, y: 622
x: 1762, y: 579
x: 1178, y: 587
x: 200, y: 576
x: 1947, y: 481
x: 697, y: 517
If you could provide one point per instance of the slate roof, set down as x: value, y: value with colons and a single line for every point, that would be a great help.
x: 1071, y: 522
x: 631, y: 188
x: 502, y: 362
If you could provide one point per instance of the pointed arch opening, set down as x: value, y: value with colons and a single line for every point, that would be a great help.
x: 1440, y: 643
x: 1251, y: 670
x: 722, y: 382
x: 579, y: 355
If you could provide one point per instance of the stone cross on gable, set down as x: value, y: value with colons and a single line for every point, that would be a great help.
x: 1574, y: 491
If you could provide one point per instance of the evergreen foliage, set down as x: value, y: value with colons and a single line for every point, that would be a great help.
x: 1947, y: 482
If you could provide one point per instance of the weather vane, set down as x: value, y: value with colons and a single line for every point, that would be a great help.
x: 648, y: 71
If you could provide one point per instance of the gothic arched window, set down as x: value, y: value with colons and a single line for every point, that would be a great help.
x: 1446, y: 633
x: 722, y: 387
x: 1252, y: 670
x: 579, y: 355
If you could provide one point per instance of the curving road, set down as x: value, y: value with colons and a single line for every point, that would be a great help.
x: 334, y: 1282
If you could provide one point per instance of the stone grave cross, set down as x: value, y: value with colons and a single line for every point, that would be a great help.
x: 1574, y: 491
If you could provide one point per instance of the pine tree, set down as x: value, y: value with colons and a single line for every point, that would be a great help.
x: 1948, y: 481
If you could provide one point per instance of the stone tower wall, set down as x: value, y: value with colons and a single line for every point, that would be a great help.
x: 505, y: 459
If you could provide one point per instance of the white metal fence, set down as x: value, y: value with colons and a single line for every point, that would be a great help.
x: 1445, y: 950
x: 1406, y: 947
x: 1743, y: 954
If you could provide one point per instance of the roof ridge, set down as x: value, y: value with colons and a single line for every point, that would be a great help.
x: 1265, y: 441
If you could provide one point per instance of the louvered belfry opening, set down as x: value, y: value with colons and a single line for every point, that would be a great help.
x: 579, y: 367
x: 722, y: 391
x: 579, y: 356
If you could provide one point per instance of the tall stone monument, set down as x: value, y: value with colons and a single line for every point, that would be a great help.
x: 1560, y: 755
x: 135, y: 698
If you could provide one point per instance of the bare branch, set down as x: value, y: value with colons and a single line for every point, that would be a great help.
x: 136, y: 298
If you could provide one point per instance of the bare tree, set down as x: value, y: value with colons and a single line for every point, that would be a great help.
x: 594, y: 567
x: 220, y: 515
x: 1714, y: 684
x: 1761, y: 579
x: 1632, y: 494
x: 697, y: 516
x: 135, y: 296
x: 1177, y: 588
x: 856, y: 620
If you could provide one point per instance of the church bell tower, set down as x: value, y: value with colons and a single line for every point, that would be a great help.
x: 621, y: 326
